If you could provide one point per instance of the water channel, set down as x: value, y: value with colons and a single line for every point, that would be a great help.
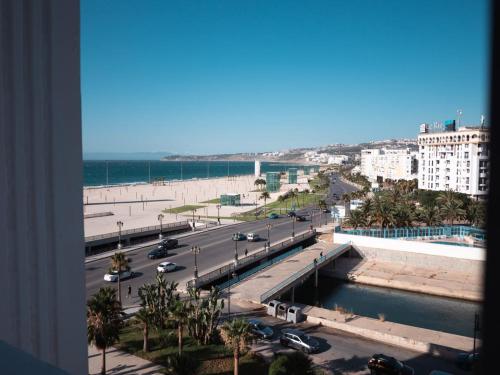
x: 415, y: 309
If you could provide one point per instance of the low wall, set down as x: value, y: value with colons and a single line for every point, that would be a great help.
x: 416, y: 253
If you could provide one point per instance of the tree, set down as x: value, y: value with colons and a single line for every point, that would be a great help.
x: 103, y: 321
x: 265, y: 195
x: 119, y: 263
x: 452, y: 210
x: 236, y: 335
x: 429, y: 215
x: 403, y: 215
x: 322, y: 204
x: 382, y: 211
x: 357, y: 219
x: 146, y: 318
x: 180, y: 313
x: 204, y: 314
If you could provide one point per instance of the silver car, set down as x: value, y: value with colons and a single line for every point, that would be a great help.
x: 297, y: 339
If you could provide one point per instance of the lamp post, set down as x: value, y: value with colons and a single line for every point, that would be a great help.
x: 194, y: 227
x: 196, y: 250
x: 120, y: 225
x: 231, y: 275
x: 269, y: 226
x: 293, y: 226
x: 218, y: 216
x: 235, y: 250
x: 160, y: 218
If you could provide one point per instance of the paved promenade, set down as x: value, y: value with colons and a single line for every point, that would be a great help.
x: 121, y: 363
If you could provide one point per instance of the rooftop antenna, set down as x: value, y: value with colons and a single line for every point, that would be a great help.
x: 459, y: 113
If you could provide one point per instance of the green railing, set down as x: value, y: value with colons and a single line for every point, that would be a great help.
x: 419, y: 232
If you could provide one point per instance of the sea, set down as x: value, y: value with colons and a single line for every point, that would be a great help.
x: 119, y: 172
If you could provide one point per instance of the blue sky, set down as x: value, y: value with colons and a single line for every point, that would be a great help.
x: 221, y: 76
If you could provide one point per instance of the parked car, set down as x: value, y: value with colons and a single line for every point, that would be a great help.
x: 252, y: 237
x: 297, y: 339
x: 300, y: 218
x: 291, y: 214
x: 381, y: 364
x: 273, y: 216
x: 466, y: 361
x: 113, y: 275
x: 238, y: 236
x: 260, y: 330
x: 326, y: 210
x: 166, y: 267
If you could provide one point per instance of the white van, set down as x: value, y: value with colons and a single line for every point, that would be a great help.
x: 252, y: 237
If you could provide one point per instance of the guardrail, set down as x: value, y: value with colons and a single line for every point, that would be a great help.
x: 307, y: 269
x: 224, y: 270
x: 136, y: 230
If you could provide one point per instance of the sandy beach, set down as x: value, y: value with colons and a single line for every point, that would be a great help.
x: 144, y: 202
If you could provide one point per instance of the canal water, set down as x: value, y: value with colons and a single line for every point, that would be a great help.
x: 415, y: 309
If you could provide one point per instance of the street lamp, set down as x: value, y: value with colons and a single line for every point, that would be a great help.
x: 236, y: 249
x: 269, y: 226
x: 231, y: 275
x: 120, y: 225
x: 196, y: 250
x: 293, y: 226
x: 218, y: 216
x: 160, y: 218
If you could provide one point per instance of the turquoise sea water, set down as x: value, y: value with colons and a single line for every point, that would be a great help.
x: 135, y: 171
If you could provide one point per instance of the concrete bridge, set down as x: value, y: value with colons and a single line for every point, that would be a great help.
x: 285, y: 276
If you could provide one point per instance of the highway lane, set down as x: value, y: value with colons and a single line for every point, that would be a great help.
x: 217, y: 248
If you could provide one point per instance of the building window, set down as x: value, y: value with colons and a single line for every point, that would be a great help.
x: 466, y: 155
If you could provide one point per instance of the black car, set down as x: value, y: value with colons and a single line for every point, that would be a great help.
x: 326, y: 210
x: 467, y: 361
x: 291, y: 214
x: 162, y: 249
x: 300, y: 218
x: 381, y: 364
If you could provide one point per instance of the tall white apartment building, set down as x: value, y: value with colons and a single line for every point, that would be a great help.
x: 454, y: 160
x: 395, y: 164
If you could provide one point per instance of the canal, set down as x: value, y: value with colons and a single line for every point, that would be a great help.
x: 415, y: 309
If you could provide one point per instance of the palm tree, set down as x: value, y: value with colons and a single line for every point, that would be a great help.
x: 146, y: 317
x: 430, y: 215
x: 236, y: 335
x: 452, y: 210
x: 403, y: 215
x: 180, y: 314
x: 382, y: 211
x: 119, y: 263
x: 357, y: 219
x: 265, y: 195
x: 103, y: 321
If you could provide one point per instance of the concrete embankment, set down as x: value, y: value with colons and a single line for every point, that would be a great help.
x: 419, y: 339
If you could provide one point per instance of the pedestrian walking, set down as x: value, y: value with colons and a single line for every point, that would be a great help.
x: 129, y: 291
x: 315, y: 262
x: 321, y: 254
x: 246, y: 252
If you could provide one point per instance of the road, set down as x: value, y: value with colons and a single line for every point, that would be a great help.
x: 216, y: 245
x: 345, y: 353
x: 338, y: 187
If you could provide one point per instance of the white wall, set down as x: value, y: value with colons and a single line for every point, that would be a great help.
x: 42, y: 275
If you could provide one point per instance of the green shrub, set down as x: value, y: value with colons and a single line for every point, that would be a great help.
x: 295, y: 363
x: 183, y: 365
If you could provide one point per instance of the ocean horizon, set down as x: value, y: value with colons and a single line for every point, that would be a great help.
x: 119, y: 172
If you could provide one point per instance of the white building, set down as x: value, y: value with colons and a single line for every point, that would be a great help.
x: 394, y: 164
x: 257, y: 168
x: 337, y: 159
x: 454, y: 160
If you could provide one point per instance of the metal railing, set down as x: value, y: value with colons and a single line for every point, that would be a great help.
x: 252, y: 258
x: 136, y: 230
x: 299, y: 274
x: 419, y: 232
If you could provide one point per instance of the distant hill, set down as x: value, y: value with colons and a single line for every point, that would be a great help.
x: 125, y: 155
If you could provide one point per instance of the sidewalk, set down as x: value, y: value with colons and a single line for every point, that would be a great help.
x: 121, y: 363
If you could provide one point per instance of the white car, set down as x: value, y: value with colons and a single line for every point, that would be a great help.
x: 252, y: 237
x: 113, y: 275
x: 166, y: 267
